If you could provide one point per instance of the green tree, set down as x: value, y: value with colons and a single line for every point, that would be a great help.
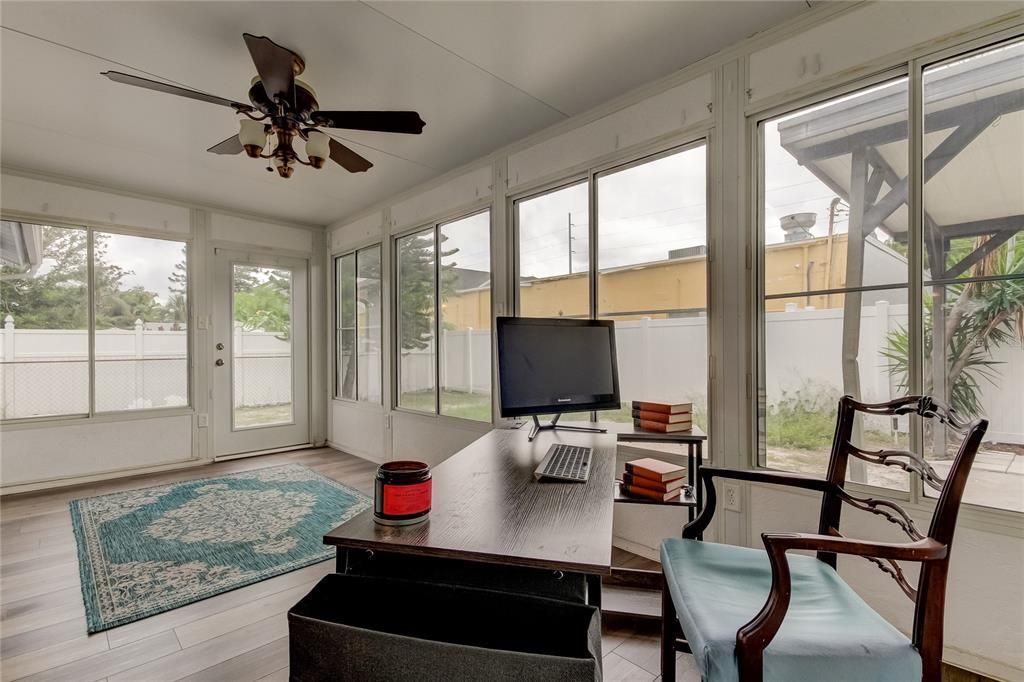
x: 416, y: 256
x: 178, y: 279
x: 121, y: 308
x: 264, y: 307
x: 176, y: 310
x: 56, y: 296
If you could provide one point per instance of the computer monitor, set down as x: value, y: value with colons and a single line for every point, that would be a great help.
x: 554, y: 366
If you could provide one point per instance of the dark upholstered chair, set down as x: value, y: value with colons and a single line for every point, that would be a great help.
x: 753, y: 614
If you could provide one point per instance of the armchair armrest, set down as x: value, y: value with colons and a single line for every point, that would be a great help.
x: 756, y: 635
x: 920, y: 550
x: 708, y: 474
x: 772, y: 477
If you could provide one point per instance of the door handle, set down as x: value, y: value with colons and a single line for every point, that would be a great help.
x: 220, y: 362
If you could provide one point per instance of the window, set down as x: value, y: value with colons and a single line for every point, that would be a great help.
x: 553, y: 232
x: 141, y: 339
x: 358, y: 319
x: 972, y: 324
x: 443, y: 284
x: 465, y: 337
x: 136, y: 337
x: 834, y: 275
x: 838, y: 239
x: 262, y: 313
x: 648, y: 272
x: 44, y: 300
x: 652, y: 277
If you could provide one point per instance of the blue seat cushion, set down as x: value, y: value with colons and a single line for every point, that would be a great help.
x: 829, y: 633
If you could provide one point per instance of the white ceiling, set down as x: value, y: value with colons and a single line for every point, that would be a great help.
x: 481, y: 74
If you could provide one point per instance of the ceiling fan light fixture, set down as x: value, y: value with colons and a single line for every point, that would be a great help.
x: 318, y: 148
x: 252, y: 136
x: 283, y: 108
x: 284, y: 169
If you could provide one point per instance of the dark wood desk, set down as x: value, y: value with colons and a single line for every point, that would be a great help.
x: 488, y: 508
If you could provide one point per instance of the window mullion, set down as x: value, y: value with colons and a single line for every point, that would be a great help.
x: 90, y: 287
x: 915, y: 241
x: 439, y: 347
x: 592, y: 243
x: 355, y: 308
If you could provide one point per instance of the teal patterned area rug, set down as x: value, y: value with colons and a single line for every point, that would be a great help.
x: 142, y: 552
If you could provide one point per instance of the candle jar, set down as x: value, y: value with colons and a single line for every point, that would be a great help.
x: 402, y: 493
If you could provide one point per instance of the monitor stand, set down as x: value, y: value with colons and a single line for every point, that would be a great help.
x: 538, y: 427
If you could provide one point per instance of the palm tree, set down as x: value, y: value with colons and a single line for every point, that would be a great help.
x: 982, y: 317
x: 176, y: 311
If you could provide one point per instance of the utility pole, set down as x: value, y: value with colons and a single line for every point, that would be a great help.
x: 571, y: 252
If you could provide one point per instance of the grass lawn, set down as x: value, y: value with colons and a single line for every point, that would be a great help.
x: 263, y: 415
x: 476, y: 406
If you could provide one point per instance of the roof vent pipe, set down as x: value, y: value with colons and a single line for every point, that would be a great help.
x: 797, y: 226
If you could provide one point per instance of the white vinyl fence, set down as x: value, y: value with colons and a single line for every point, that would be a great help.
x: 46, y: 371
x: 668, y: 357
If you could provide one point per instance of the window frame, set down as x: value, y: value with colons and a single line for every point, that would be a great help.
x: 335, y: 263
x: 911, y: 65
x: 692, y: 138
x: 94, y: 416
x: 434, y: 226
x: 757, y: 381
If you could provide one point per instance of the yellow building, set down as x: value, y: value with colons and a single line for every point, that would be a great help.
x: 661, y: 288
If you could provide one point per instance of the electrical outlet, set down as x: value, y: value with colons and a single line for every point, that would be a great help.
x: 204, y: 420
x: 731, y: 493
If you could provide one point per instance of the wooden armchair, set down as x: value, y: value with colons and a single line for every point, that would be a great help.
x: 811, y: 625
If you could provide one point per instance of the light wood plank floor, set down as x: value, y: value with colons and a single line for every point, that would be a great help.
x: 237, y: 636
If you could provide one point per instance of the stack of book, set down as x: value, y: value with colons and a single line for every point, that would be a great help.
x: 662, y: 417
x: 653, y: 479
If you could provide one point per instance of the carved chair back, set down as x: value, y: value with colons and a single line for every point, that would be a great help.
x: 929, y: 595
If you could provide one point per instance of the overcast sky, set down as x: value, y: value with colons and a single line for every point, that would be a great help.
x: 644, y: 212
x: 150, y: 260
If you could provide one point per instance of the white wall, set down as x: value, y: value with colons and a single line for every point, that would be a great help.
x: 59, y: 451
x: 829, y: 46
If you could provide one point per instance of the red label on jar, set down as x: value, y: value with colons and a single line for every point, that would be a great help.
x: 403, y: 500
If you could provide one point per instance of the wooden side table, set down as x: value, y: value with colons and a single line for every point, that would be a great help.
x: 694, y: 439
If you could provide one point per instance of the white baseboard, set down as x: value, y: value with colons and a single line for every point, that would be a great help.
x: 258, y: 453
x: 101, y: 476
x: 349, y: 451
x: 980, y: 665
x: 637, y: 548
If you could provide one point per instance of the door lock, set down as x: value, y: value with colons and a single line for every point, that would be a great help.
x: 219, y: 362
x: 219, y: 346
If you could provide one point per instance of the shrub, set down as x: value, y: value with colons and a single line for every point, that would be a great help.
x: 804, y: 418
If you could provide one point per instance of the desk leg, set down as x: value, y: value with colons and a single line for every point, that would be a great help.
x: 691, y: 478
x: 594, y: 590
x: 699, y: 490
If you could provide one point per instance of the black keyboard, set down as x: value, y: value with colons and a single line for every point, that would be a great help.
x: 564, y: 463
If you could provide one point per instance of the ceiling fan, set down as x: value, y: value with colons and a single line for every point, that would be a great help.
x: 284, y: 108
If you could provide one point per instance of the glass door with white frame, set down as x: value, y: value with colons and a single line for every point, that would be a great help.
x: 260, y: 359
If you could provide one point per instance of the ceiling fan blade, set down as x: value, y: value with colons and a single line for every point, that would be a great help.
x: 379, y: 121
x: 129, y: 79
x: 348, y: 159
x: 232, y: 145
x: 276, y: 65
